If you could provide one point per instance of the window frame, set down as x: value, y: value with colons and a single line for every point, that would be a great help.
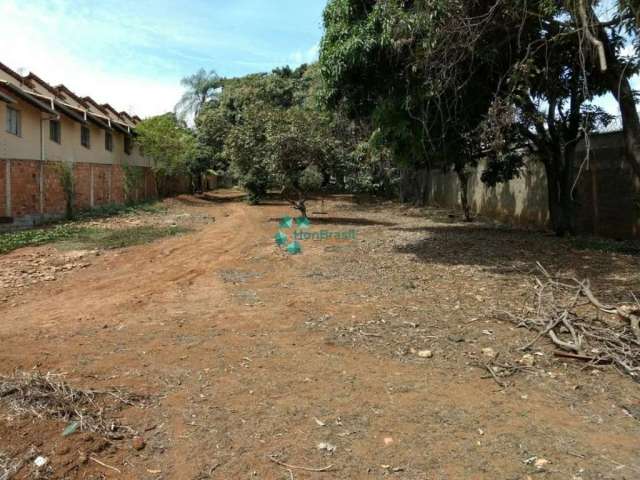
x: 128, y: 144
x: 18, y: 121
x: 108, y: 141
x: 55, y: 138
x: 85, y: 140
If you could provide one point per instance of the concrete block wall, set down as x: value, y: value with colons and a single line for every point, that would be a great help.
x: 607, y: 194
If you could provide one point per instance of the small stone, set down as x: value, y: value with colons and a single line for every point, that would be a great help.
x: 528, y: 360
x: 540, y: 463
x: 327, y: 447
x: 138, y: 443
x: 83, y: 458
x: 40, y: 461
x: 489, y: 352
x: 425, y: 354
x: 388, y: 440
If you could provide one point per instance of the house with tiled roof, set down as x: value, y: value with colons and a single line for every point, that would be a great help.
x: 43, y: 126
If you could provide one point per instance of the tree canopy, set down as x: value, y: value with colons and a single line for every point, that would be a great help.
x: 444, y: 82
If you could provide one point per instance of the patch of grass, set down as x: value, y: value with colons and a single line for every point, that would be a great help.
x: 71, y: 232
x: 72, y: 236
x: 628, y: 247
x: 102, y: 238
x: 26, y: 238
x: 112, y: 210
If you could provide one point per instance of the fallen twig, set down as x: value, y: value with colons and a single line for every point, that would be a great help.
x: 494, y: 376
x: 575, y: 356
x: 104, y: 464
x: 295, y: 467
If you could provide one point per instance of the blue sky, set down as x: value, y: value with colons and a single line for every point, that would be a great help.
x: 133, y: 53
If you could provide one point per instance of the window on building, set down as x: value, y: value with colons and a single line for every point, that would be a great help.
x: 108, y: 141
x: 127, y: 145
x: 14, y: 121
x: 55, y: 133
x: 85, y: 137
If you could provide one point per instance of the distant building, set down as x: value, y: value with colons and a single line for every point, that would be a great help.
x: 41, y: 125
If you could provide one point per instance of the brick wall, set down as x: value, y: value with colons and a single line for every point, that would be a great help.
x: 82, y: 175
x: 36, y: 193
x: 25, y: 187
x: 101, y: 182
x: 54, y: 198
x: 117, y: 184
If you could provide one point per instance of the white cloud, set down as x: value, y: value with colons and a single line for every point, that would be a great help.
x: 41, y: 46
x: 305, y: 56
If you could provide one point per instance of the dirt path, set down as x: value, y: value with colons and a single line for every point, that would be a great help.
x: 246, y: 352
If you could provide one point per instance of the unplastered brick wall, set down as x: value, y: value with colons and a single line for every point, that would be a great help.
x: 31, y: 190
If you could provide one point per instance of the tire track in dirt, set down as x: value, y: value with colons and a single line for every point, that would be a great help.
x: 237, y: 378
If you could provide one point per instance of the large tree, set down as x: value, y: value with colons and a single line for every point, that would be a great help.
x: 445, y: 81
x: 201, y: 88
x: 270, y: 131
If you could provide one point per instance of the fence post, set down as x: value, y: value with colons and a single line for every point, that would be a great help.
x: 7, y: 187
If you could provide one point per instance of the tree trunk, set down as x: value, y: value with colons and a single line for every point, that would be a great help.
x: 630, y: 123
x: 460, y: 168
x: 463, y: 178
x: 559, y: 186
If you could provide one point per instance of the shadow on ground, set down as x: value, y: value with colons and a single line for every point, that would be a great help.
x: 503, y: 250
x: 342, y: 221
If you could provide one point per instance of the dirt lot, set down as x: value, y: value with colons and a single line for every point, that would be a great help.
x: 248, y: 363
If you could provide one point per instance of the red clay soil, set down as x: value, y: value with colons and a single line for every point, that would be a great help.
x: 251, y: 359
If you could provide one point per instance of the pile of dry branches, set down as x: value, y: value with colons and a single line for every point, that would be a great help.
x: 581, y: 326
x: 48, y: 395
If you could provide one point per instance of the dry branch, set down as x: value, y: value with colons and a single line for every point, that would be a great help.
x: 587, y: 329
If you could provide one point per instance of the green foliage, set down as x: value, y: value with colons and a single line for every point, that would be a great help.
x: 13, y: 240
x: 133, y: 178
x: 169, y: 144
x: 68, y: 185
x: 267, y: 130
x: 113, y: 209
x: 76, y: 232
x: 444, y: 81
x: 75, y: 236
x: 421, y: 104
x: 247, y: 151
